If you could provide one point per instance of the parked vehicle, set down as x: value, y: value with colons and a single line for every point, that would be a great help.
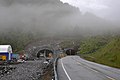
x: 20, y: 60
x: 5, y: 52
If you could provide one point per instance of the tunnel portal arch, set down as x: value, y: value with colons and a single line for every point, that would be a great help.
x: 44, y: 53
x: 70, y: 52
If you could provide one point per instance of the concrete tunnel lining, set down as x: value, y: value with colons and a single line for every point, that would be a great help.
x: 47, y: 51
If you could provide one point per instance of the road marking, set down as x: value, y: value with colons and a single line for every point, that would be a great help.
x: 110, y: 78
x: 65, y: 70
x: 79, y: 63
x: 88, y: 67
x: 96, y: 71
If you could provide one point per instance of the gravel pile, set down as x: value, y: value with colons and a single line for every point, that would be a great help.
x: 5, y: 70
x: 30, y: 70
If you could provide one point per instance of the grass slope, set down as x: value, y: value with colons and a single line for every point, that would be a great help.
x: 92, y: 44
x: 108, y: 54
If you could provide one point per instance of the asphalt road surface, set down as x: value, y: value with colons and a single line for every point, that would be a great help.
x: 76, y: 68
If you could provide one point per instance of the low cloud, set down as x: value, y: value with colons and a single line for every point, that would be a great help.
x: 47, y: 16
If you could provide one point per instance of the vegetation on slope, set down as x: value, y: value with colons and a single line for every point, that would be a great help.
x: 67, y: 44
x: 92, y: 44
x: 17, y: 38
x: 108, y: 53
x: 70, y: 43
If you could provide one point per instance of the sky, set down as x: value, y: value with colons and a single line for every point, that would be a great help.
x: 108, y: 9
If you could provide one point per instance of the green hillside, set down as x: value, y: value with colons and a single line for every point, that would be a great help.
x: 92, y: 44
x: 108, y: 54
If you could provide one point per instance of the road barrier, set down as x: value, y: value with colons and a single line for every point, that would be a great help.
x: 55, y: 69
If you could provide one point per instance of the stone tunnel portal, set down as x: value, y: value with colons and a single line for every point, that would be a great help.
x: 45, y: 53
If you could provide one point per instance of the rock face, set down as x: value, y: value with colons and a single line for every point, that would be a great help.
x: 33, y: 49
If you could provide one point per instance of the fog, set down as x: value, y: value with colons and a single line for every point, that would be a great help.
x: 107, y: 9
x: 50, y: 17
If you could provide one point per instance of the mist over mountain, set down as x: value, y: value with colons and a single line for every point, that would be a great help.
x: 50, y: 17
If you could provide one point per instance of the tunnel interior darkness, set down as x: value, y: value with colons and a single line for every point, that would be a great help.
x: 70, y: 52
x: 44, y: 52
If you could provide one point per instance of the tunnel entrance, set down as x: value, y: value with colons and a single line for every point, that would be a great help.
x: 45, y: 53
x: 70, y: 52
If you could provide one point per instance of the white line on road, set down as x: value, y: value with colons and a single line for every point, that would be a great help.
x: 88, y: 67
x: 110, y: 78
x: 97, y: 72
x: 65, y: 70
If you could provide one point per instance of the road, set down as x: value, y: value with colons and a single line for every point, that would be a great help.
x: 76, y: 68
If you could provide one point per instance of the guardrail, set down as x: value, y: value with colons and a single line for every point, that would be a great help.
x: 55, y: 69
